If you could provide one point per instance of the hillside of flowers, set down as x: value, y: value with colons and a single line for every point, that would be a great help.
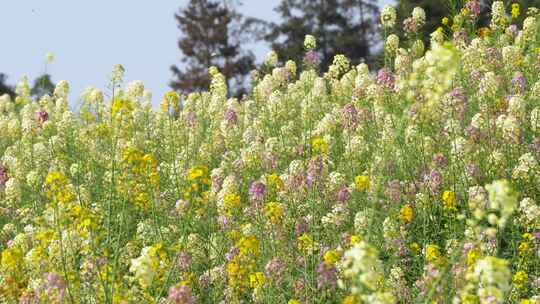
x: 416, y: 183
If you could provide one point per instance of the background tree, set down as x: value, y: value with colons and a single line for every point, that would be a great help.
x: 42, y: 85
x: 212, y: 35
x: 435, y: 12
x: 346, y: 27
x: 4, y: 87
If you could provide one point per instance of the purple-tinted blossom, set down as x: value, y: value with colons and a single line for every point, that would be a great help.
x: 460, y: 37
x: 519, y: 83
x: 299, y: 287
x: 349, y: 116
x: 257, y: 190
x: 473, y: 170
x: 55, y: 282
x: 473, y: 7
x: 223, y: 222
x: 535, y: 145
x: 274, y: 270
x: 42, y: 116
x: 458, y: 96
x: 270, y: 161
x: 183, y: 259
x: 411, y: 25
x: 440, y: 160
x: 393, y: 191
x: 314, y: 171
x: 433, y: 180
x: 295, y: 182
x: 232, y: 253
x: 191, y: 119
x: 301, y: 227
x: 326, y: 276
x: 29, y: 297
x: 512, y: 30
x: 343, y: 195
x: 311, y: 58
x: 3, y: 176
x: 231, y: 117
x: 217, y: 179
x: 476, y: 75
x: 385, y: 78
x: 181, y: 295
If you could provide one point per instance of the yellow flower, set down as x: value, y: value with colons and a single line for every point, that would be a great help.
x: 57, y: 187
x: 231, y: 201
x: 406, y: 214
x: 472, y: 256
x: 195, y: 173
x: 11, y: 258
x: 171, y: 97
x: 256, y: 279
x: 515, y: 10
x: 414, y: 247
x: 293, y: 301
x: 483, y: 32
x: 433, y: 253
x: 524, y: 248
x: 348, y: 300
x: 274, y: 182
x: 449, y: 199
x: 306, y: 243
x: 520, y: 279
x: 248, y: 245
x: 331, y: 257
x: 319, y: 145
x: 355, y: 239
x: 124, y: 106
x: 361, y: 182
x: 274, y: 211
x: 444, y: 21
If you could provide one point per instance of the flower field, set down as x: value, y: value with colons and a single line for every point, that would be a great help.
x: 416, y: 183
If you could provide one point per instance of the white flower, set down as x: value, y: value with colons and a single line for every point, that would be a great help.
x: 117, y: 74
x: 310, y: 42
x: 12, y: 189
x: 392, y: 43
x: 494, y: 276
x: 23, y: 88
x: 271, y: 59
x: 535, y: 119
x: 388, y: 16
x: 419, y: 15
x: 526, y: 164
x: 135, y: 89
x: 144, y: 267
x: 502, y: 198
x: 62, y: 89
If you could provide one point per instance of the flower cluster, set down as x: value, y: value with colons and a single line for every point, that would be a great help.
x: 414, y: 183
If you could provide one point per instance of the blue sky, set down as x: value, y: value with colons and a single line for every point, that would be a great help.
x: 89, y: 37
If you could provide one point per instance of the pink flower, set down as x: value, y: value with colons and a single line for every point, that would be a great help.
x: 55, y: 282
x: 3, y: 176
x: 257, y: 190
x: 473, y: 7
x: 181, y: 295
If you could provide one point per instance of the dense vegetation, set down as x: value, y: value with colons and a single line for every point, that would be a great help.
x: 415, y: 184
